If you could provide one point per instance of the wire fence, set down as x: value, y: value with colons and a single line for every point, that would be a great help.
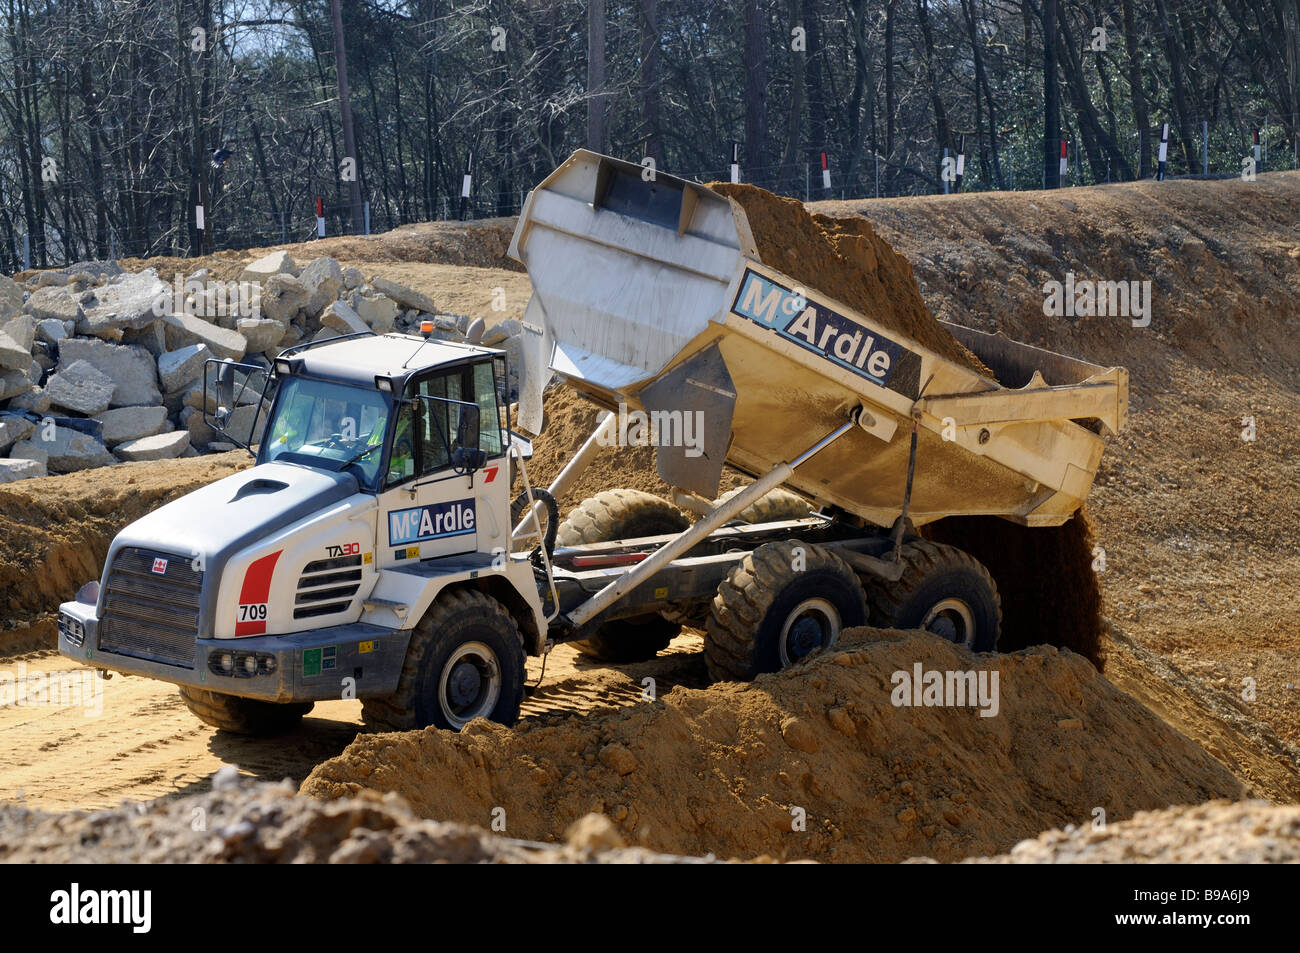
x: 1211, y: 150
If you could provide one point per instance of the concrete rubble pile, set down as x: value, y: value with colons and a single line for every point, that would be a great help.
x: 100, y: 366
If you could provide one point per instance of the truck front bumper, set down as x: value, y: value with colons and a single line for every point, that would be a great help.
x: 342, y: 661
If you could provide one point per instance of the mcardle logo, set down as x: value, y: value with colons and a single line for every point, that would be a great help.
x: 839, y: 339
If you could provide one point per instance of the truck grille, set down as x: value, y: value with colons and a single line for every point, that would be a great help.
x: 151, y: 607
x: 327, y: 586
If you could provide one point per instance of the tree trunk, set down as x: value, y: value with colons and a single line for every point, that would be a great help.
x: 756, y: 147
x: 1052, y: 101
x: 345, y: 113
x: 653, y: 147
x: 596, y: 135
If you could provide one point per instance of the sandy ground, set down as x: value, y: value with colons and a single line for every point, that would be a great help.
x: 133, y: 739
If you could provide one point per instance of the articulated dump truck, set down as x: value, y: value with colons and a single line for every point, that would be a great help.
x: 375, y: 550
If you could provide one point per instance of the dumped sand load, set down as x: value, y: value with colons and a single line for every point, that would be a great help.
x: 846, y: 259
x: 1044, y: 576
x: 250, y: 823
x: 1247, y: 832
x: 570, y: 420
x: 730, y: 769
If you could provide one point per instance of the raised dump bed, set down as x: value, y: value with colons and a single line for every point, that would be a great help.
x: 653, y: 295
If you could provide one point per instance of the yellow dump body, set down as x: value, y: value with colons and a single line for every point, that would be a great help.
x: 651, y: 295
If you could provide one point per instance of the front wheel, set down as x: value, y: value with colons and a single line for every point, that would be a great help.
x: 465, y: 661
x: 243, y: 716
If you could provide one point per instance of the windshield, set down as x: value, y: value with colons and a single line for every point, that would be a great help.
x: 326, y: 425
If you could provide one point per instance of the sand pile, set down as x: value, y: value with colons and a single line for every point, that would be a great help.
x: 1247, y: 832
x: 846, y: 259
x: 732, y: 769
x: 250, y: 823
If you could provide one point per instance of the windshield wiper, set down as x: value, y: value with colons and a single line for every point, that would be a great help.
x: 369, y: 450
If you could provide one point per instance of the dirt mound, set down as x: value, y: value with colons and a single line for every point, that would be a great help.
x: 734, y: 768
x: 56, y: 530
x: 1248, y: 832
x: 846, y: 259
x: 268, y: 824
x: 482, y: 244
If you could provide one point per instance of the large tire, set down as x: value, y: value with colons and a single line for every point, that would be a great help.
x: 768, y: 614
x: 773, y: 506
x: 943, y: 590
x: 243, y: 716
x: 620, y: 514
x: 624, y: 514
x: 465, y: 661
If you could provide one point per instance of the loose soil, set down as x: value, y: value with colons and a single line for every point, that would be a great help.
x: 730, y: 769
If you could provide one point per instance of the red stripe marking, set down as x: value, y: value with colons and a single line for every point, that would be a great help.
x: 256, y: 589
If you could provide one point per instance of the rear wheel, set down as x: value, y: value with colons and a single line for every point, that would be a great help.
x: 943, y: 590
x: 465, y: 661
x: 779, y: 604
x: 243, y: 716
x: 624, y: 514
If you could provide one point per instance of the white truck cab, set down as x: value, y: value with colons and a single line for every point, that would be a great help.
x: 382, y: 480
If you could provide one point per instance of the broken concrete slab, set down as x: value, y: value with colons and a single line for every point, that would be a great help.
x: 132, y: 369
x: 14, y: 428
x: 13, y: 356
x: 260, y: 333
x: 340, y: 317
x: 276, y: 263
x: 131, y: 423
x: 81, y: 387
x: 11, y: 297
x: 378, y: 311
x: 129, y: 301
x: 51, y: 330
x: 178, y: 368
x: 323, y: 279
x: 499, y: 332
x: 163, y: 446
x: 186, y: 329
x: 35, y: 400
x: 282, y: 297
x: 406, y: 297
x: 21, y: 469
x: 22, y: 328
x: 68, y: 450
x: 56, y: 303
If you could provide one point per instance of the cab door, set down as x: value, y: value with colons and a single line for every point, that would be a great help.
x: 429, y: 510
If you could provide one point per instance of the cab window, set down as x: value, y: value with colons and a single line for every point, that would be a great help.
x: 423, y: 434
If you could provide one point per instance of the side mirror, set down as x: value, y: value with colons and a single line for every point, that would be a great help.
x: 467, y: 454
x: 225, y: 392
x: 467, y: 427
